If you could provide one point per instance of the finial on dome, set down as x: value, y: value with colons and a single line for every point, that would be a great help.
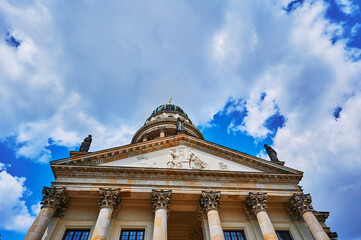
x: 169, y: 100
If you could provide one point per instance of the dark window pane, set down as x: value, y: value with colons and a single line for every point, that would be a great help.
x: 234, y: 235
x: 76, y: 235
x: 284, y: 235
x: 132, y: 235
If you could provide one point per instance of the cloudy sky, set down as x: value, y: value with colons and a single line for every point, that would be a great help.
x: 285, y: 73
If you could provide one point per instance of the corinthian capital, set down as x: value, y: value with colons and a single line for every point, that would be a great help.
x: 109, y: 198
x: 56, y: 198
x: 256, y: 202
x: 161, y: 199
x: 210, y: 200
x: 301, y: 203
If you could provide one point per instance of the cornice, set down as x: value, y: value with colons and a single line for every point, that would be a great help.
x: 171, y: 174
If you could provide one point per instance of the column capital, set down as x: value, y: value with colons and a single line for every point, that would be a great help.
x: 256, y: 202
x: 210, y: 200
x: 301, y: 203
x: 109, y: 198
x: 56, y: 198
x: 161, y: 199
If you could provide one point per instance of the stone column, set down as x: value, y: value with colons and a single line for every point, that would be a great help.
x: 301, y: 205
x: 160, y: 204
x: 109, y: 201
x: 210, y: 203
x: 54, y: 202
x: 257, y: 205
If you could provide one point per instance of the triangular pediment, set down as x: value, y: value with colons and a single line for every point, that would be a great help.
x: 179, y: 152
x: 180, y: 157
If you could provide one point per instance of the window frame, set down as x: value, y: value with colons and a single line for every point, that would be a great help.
x: 118, y: 226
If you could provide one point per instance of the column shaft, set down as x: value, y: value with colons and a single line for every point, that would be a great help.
x: 40, y: 224
x: 160, y: 224
x: 102, y: 225
x: 266, y: 226
x: 315, y: 227
x: 215, y: 228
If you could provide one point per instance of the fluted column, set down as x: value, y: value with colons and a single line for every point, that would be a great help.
x: 109, y: 201
x: 257, y: 205
x: 301, y: 204
x: 160, y: 204
x: 210, y: 203
x: 54, y: 201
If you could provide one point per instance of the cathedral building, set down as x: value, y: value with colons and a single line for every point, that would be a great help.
x: 170, y: 183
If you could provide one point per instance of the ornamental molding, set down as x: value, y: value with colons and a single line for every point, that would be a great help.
x: 256, y: 202
x: 133, y: 150
x: 161, y: 199
x: 110, y: 198
x: 170, y: 174
x: 210, y: 200
x: 321, y: 216
x: 55, y: 198
x: 300, y: 203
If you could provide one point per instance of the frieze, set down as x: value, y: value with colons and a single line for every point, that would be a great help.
x: 177, y: 174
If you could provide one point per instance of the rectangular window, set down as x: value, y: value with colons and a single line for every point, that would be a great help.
x: 234, y: 235
x: 76, y: 234
x: 284, y: 235
x: 132, y: 235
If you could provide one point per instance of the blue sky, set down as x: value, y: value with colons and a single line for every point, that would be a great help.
x: 285, y: 73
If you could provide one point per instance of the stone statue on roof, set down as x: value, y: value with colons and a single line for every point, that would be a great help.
x: 85, y: 145
x: 180, y: 125
x: 271, y: 153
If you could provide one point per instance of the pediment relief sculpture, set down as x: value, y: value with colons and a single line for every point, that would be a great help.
x: 185, y: 158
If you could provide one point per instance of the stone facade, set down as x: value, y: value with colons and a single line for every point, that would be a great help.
x: 175, y: 186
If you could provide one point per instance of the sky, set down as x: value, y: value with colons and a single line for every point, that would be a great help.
x: 285, y: 73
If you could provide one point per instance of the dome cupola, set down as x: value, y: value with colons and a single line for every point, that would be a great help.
x: 166, y: 120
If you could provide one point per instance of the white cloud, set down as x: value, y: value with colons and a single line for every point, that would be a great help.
x: 346, y: 6
x: 76, y: 73
x: 14, y: 215
x: 355, y: 29
x: 258, y: 111
x: 308, y: 77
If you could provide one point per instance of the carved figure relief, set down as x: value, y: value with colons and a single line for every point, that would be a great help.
x: 184, y: 158
x: 222, y: 166
x: 144, y: 162
x: 142, y: 157
x: 196, y: 163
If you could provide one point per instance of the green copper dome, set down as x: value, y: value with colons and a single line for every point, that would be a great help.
x: 168, y: 107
